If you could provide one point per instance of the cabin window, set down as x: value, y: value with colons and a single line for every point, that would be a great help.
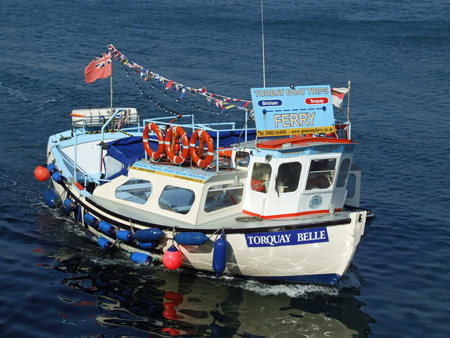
x: 223, y: 195
x: 242, y: 158
x: 288, y: 177
x: 260, y: 177
x: 134, y: 190
x: 343, y: 172
x: 176, y: 199
x: 321, y: 174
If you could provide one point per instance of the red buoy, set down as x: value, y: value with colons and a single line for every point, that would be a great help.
x: 172, y: 258
x: 41, y: 173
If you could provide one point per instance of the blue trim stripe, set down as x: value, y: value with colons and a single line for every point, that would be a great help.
x: 329, y: 279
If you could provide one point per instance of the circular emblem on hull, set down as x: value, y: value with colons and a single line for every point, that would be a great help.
x: 315, y: 202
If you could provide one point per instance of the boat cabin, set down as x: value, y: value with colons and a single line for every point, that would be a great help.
x: 191, y: 196
x: 289, y: 180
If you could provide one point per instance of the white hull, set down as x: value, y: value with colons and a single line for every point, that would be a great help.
x: 321, y: 262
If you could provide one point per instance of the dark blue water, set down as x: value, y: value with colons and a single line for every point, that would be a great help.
x: 56, y: 282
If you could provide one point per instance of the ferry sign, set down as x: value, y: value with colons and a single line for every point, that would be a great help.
x: 281, y: 111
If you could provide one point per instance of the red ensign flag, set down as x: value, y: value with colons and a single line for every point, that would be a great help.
x: 99, y: 68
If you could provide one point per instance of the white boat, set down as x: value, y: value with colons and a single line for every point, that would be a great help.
x: 254, y: 204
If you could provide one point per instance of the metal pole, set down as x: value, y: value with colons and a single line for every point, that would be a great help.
x: 111, y: 91
x: 348, y: 103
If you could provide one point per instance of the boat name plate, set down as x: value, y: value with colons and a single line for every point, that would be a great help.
x: 283, y: 238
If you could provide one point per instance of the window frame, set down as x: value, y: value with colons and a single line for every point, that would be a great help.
x: 170, y: 206
x: 318, y: 177
x: 135, y: 197
x: 287, y: 178
x: 259, y: 184
x: 226, y: 187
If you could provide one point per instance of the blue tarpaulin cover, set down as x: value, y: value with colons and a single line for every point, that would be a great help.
x: 131, y: 149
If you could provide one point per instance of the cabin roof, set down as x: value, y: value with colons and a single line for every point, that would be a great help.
x: 300, y: 141
x: 193, y: 174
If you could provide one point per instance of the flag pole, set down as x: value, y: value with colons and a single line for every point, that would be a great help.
x: 348, y: 103
x: 111, y: 91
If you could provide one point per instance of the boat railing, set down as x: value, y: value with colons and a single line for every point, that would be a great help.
x: 192, y: 126
x: 102, y: 130
x: 81, y: 128
x: 95, y: 118
x: 343, y: 129
x: 215, y: 129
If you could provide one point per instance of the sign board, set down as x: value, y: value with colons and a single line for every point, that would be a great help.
x: 281, y: 111
x: 283, y: 238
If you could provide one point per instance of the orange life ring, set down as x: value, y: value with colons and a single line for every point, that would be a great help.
x: 172, y: 135
x: 156, y: 155
x: 196, y: 156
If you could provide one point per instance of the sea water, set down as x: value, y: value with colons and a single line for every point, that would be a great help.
x: 56, y: 282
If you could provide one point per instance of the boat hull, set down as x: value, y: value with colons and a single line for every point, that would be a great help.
x: 315, y: 252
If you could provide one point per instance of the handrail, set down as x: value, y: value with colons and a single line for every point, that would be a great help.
x: 209, y: 127
x: 101, y: 143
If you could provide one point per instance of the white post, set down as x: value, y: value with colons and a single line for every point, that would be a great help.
x: 348, y: 103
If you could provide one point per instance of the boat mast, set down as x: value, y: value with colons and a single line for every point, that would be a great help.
x: 111, y: 91
x: 262, y: 38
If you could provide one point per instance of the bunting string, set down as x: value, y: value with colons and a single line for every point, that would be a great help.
x: 222, y: 102
x: 159, y: 103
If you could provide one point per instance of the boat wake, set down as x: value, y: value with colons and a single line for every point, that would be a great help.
x: 291, y: 290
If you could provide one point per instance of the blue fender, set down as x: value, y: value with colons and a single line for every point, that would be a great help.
x: 148, y: 235
x: 190, y: 238
x: 220, y: 255
x: 51, y: 168
x: 90, y: 220
x: 107, y: 228
x: 141, y: 258
x: 51, y: 198
x: 58, y: 178
x: 124, y: 235
x: 104, y: 243
x: 69, y: 205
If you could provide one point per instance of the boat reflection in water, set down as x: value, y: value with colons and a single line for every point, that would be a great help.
x: 155, y: 303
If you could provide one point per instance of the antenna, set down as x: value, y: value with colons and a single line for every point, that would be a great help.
x: 262, y: 38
